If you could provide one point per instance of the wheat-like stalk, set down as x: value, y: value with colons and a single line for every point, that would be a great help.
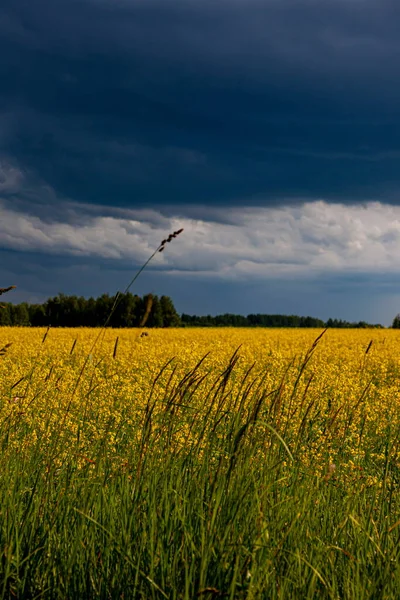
x: 146, y: 315
x: 4, y: 349
x: 5, y: 290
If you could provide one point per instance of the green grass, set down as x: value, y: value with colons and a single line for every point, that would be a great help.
x: 230, y: 511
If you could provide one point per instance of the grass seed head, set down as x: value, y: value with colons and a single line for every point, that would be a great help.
x: 170, y: 238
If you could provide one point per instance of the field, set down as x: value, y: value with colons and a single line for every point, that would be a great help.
x: 209, y: 463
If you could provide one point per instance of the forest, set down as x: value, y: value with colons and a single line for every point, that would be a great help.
x: 131, y: 310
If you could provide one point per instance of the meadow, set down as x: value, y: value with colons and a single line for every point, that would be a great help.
x: 199, y: 463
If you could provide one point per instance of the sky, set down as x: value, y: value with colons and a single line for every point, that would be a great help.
x: 268, y: 129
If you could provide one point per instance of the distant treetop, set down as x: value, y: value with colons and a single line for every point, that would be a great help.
x: 150, y: 311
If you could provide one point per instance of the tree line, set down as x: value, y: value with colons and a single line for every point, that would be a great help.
x: 122, y: 310
x: 264, y: 320
x: 129, y: 310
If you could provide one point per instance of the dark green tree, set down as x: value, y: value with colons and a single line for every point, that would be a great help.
x: 19, y: 315
x: 5, y: 317
x: 37, y: 315
x: 156, y: 315
x: 396, y: 322
x: 169, y: 314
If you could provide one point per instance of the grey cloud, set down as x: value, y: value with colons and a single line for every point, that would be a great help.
x: 10, y: 178
x: 253, y: 244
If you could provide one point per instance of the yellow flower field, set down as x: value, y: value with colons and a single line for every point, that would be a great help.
x: 240, y: 463
x: 341, y: 395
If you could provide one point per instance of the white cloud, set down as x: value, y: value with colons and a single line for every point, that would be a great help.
x: 256, y: 243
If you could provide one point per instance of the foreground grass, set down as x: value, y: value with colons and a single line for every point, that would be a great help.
x: 203, y: 486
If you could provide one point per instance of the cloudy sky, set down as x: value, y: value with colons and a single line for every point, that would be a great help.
x: 268, y: 129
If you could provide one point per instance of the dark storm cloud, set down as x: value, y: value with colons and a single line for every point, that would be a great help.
x: 162, y: 103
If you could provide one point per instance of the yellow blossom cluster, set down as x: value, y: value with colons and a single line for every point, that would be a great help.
x: 334, y: 402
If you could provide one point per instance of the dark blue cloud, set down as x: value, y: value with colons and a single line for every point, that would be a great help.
x: 159, y: 103
x: 182, y: 105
